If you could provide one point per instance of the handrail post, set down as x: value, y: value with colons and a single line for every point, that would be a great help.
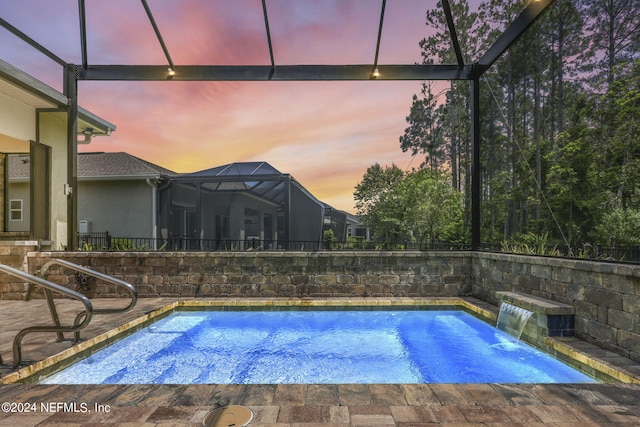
x: 54, y: 312
x: 105, y: 278
x: 48, y: 287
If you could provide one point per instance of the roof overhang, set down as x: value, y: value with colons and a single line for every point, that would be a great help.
x: 31, y: 91
x: 27, y: 89
x: 87, y: 121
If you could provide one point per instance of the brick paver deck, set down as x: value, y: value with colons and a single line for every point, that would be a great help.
x: 334, y: 405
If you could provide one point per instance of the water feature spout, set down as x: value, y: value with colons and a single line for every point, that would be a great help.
x: 512, y: 319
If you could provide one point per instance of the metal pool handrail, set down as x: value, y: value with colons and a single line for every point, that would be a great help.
x: 48, y: 288
x: 44, y: 272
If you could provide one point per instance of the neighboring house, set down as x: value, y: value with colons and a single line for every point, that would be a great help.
x: 117, y: 193
x: 239, y: 204
x: 344, y: 225
x: 355, y: 228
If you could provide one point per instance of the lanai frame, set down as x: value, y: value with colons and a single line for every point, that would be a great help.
x: 374, y: 72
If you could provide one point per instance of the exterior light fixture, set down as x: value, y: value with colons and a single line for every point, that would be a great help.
x: 376, y: 73
x: 171, y: 72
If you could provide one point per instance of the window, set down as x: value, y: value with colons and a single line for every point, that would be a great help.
x: 15, y: 210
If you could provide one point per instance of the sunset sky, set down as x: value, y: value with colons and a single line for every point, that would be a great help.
x: 325, y: 134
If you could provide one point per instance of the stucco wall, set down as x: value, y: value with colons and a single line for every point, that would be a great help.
x: 53, y: 132
x: 123, y: 207
x: 17, y: 127
x: 18, y: 119
x: 3, y: 191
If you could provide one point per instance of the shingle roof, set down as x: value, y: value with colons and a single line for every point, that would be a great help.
x: 117, y: 164
x: 18, y: 166
x: 98, y: 165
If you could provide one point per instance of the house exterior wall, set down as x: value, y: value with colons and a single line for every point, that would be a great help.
x: 123, y: 208
x: 18, y: 120
x: 53, y: 132
x: 21, y: 126
x: 17, y: 128
x: 3, y: 189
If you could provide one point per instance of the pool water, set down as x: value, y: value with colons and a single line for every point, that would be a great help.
x: 315, y: 347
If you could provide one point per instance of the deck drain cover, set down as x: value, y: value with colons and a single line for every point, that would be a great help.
x: 228, y: 416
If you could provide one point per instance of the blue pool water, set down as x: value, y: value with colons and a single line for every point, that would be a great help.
x: 313, y: 347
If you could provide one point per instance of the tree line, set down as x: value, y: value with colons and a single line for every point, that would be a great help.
x: 560, y: 131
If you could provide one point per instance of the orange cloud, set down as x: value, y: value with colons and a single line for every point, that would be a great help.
x: 325, y: 134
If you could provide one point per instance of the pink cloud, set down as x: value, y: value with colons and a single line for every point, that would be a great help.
x: 325, y: 134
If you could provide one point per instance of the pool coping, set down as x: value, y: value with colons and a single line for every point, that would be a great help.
x: 566, y: 350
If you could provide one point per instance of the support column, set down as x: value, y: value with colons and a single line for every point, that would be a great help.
x: 199, y: 232
x: 71, y: 92
x: 261, y: 235
x: 475, y: 164
x: 287, y: 211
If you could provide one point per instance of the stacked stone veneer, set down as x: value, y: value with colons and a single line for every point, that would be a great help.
x: 549, y: 318
x: 605, y: 296
x: 272, y: 274
x: 14, y: 254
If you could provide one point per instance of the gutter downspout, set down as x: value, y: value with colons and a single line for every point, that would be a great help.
x: 154, y: 207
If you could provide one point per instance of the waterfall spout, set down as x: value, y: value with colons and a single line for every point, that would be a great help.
x: 512, y: 319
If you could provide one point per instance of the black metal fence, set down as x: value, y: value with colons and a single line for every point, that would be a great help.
x: 106, y: 242
x: 629, y: 254
x: 599, y: 252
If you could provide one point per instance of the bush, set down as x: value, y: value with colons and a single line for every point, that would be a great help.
x: 122, y: 245
x: 530, y: 244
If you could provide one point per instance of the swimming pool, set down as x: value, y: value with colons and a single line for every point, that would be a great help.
x: 318, y: 346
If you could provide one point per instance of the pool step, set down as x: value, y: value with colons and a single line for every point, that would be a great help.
x: 550, y: 318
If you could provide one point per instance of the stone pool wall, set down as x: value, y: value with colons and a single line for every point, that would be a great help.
x: 605, y: 296
x: 272, y: 274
